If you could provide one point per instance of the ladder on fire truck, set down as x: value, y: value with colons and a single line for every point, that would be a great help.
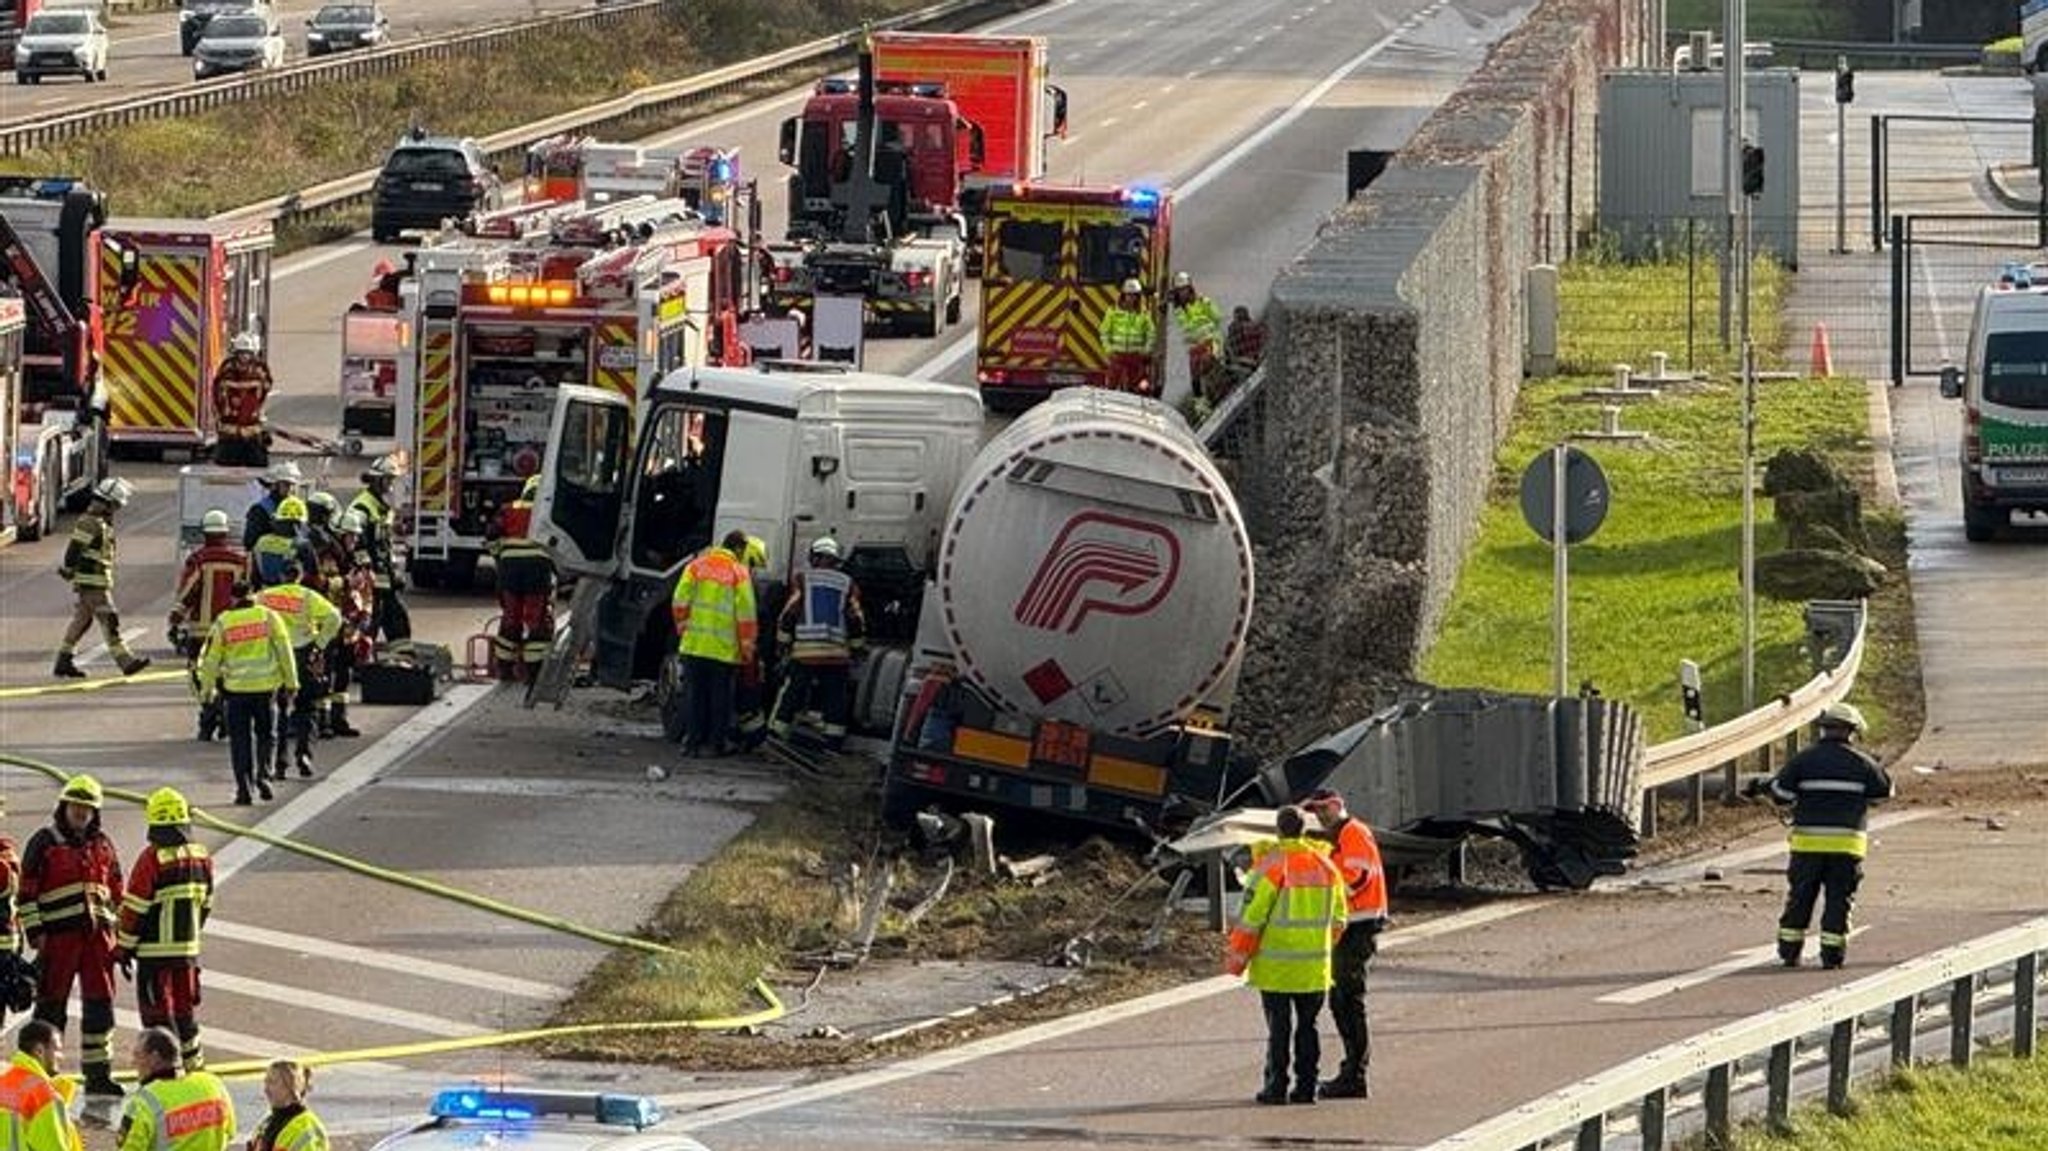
x: 59, y: 326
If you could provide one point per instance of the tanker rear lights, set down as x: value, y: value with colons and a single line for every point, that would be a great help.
x: 540, y: 294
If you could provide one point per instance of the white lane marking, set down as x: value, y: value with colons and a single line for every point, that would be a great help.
x: 1167, y: 89
x: 404, y: 964
x: 99, y: 650
x: 311, y: 1000
x: 1214, y: 61
x: 943, y: 360
x: 1766, y: 955
x: 1058, y: 1028
x: 1140, y: 104
x: 401, y: 741
x: 216, y: 1039
x: 1107, y: 121
x: 320, y: 259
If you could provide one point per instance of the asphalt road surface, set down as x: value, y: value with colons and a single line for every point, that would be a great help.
x: 143, y: 55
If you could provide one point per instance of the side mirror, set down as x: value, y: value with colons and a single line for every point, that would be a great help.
x: 977, y: 147
x: 1059, y: 110
x: 785, y: 148
x: 1951, y: 382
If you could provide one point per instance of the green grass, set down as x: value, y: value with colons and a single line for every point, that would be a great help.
x: 1659, y: 581
x: 1799, y: 19
x: 2000, y: 1104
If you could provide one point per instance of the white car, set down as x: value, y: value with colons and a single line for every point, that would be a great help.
x: 61, y: 42
x: 467, y: 1118
x: 239, y: 42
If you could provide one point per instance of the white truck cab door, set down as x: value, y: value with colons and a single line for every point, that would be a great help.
x: 583, y: 482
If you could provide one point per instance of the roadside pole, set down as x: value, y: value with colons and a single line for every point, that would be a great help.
x: 1560, y: 573
x: 1845, y: 91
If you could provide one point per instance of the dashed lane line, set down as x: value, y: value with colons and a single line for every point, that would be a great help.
x: 404, y: 964
x: 309, y: 1000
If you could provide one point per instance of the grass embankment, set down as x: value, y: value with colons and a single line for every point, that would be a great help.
x: 1999, y: 1104
x: 1660, y: 581
x: 251, y: 151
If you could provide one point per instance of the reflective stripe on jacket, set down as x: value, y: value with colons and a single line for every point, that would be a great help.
x: 206, y: 586
x: 822, y: 620
x: 1831, y: 786
x: 1200, y: 323
x: 1357, y: 856
x: 10, y: 898
x: 1293, y: 913
x: 70, y: 884
x: 170, y: 892
x: 379, y: 520
x: 89, y: 557
x: 249, y: 650
x: 191, y: 1112
x: 714, y: 608
x: 309, y: 617
x: 1126, y: 332
x: 302, y: 1132
x: 33, y: 1115
x: 513, y: 539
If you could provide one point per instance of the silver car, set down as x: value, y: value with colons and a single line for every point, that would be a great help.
x: 61, y: 42
x: 239, y: 42
x: 468, y: 1118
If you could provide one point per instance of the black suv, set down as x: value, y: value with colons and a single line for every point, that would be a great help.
x: 428, y: 179
x: 349, y: 24
x: 194, y: 15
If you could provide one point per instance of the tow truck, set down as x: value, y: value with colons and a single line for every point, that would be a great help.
x: 49, y: 239
x: 501, y: 326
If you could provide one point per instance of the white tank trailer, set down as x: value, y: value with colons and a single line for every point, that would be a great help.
x: 1078, y: 648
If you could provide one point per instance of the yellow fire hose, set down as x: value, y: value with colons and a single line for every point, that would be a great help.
x: 773, y: 1011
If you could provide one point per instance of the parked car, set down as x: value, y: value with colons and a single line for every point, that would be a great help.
x: 339, y: 27
x: 428, y: 179
x: 239, y: 42
x: 61, y: 42
x: 195, y: 15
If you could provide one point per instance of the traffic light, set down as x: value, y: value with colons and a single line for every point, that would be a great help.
x: 1845, y: 87
x: 1752, y: 171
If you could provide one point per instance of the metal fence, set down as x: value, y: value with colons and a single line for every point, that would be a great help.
x: 1915, y: 161
x: 1939, y: 263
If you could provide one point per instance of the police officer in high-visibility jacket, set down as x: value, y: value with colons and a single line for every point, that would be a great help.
x: 206, y: 586
x: 716, y: 628
x: 1830, y: 786
x: 1357, y: 856
x: 169, y: 896
x: 526, y: 589
x: 88, y: 566
x: 821, y: 627
x: 312, y: 621
x: 1294, y: 909
x: 248, y: 660
x: 291, y: 1125
x: 34, y: 1108
x: 173, y: 1109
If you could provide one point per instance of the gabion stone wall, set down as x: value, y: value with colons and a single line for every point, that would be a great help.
x: 1396, y: 355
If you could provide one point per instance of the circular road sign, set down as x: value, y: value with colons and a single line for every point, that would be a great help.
x: 1585, y: 495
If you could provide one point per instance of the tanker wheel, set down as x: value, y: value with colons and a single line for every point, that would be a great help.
x: 953, y: 310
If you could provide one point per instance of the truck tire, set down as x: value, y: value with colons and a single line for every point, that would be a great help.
x: 461, y: 573
x: 1980, y: 525
x: 426, y: 574
x: 880, y: 688
x: 953, y: 310
x: 670, y: 702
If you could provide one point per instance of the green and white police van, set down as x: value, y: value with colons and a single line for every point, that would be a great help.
x: 2004, y: 389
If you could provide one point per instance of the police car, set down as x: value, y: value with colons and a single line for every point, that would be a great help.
x: 465, y: 1118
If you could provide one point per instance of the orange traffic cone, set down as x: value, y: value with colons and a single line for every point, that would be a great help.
x: 1822, y: 360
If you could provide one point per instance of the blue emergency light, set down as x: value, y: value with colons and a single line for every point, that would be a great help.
x: 478, y: 1103
x: 721, y: 170
x: 1142, y: 197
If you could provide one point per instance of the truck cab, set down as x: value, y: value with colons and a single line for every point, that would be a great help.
x: 2003, y: 386
x: 925, y: 148
x: 785, y: 452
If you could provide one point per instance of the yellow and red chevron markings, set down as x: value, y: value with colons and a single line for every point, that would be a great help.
x: 154, y: 347
x: 437, y: 427
x: 619, y: 380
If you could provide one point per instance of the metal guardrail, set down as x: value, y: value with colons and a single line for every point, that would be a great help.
x: 39, y: 131
x: 1647, y: 1093
x: 345, y: 192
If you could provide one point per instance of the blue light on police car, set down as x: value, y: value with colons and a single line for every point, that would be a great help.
x: 636, y: 1111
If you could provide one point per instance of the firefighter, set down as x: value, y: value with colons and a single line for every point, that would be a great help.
x: 170, y: 895
x: 380, y: 522
x: 821, y: 627
x: 311, y: 622
x: 1830, y: 786
x: 70, y: 904
x: 174, y: 1109
x: 1293, y: 911
x: 248, y: 660
x: 1201, y: 325
x: 89, y: 568
x: 334, y: 556
x: 1129, y: 338
x: 356, y: 599
x: 752, y: 692
x: 526, y: 589
x: 284, y: 544
x: 279, y: 483
x: 716, y: 627
x: 206, y: 586
x: 34, y: 1103
x: 1357, y: 856
x: 11, y: 963
x: 241, y: 387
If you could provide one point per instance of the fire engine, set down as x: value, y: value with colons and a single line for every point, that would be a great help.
x: 13, y: 331
x: 1054, y: 259
x: 196, y: 284
x: 612, y: 298
x: 569, y: 167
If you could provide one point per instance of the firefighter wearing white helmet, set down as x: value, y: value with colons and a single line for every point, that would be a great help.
x: 822, y: 627
x: 241, y: 388
x: 88, y: 566
x: 1830, y: 787
x: 380, y: 522
x: 1130, y: 339
x: 1201, y: 326
x: 206, y: 587
x: 280, y: 482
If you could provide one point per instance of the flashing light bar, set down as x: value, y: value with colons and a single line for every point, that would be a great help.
x: 611, y: 1110
x: 1142, y: 197
x: 530, y: 295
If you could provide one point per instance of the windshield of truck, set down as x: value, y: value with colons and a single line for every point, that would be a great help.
x: 56, y: 24
x: 1029, y: 249
x: 426, y: 162
x: 1112, y: 253
x: 237, y: 28
x: 2016, y: 370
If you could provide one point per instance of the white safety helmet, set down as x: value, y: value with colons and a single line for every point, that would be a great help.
x: 1841, y: 715
x: 286, y: 472
x: 350, y: 523
x: 214, y: 523
x: 1182, y: 280
x: 246, y: 343
x: 1133, y: 288
x: 113, y: 492
x: 825, y: 546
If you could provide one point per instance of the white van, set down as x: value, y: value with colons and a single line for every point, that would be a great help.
x: 2004, y: 389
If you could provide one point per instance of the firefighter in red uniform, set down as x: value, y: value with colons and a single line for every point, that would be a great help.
x: 206, y: 586
x: 10, y: 919
x: 1357, y: 856
x: 526, y: 589
x: 170, y: 894
x: 70, y: 903
x: 241, y: 386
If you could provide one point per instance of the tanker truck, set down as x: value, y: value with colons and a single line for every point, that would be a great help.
x: 1078, y: 645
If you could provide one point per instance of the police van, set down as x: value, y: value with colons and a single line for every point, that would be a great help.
x: 2004, y: 389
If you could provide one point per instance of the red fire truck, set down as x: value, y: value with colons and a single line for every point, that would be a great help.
x: 569, y: 167
x: 498, y: 327
x: 1054, y: 259
x: 14, y: 16
x: 13, y: 333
